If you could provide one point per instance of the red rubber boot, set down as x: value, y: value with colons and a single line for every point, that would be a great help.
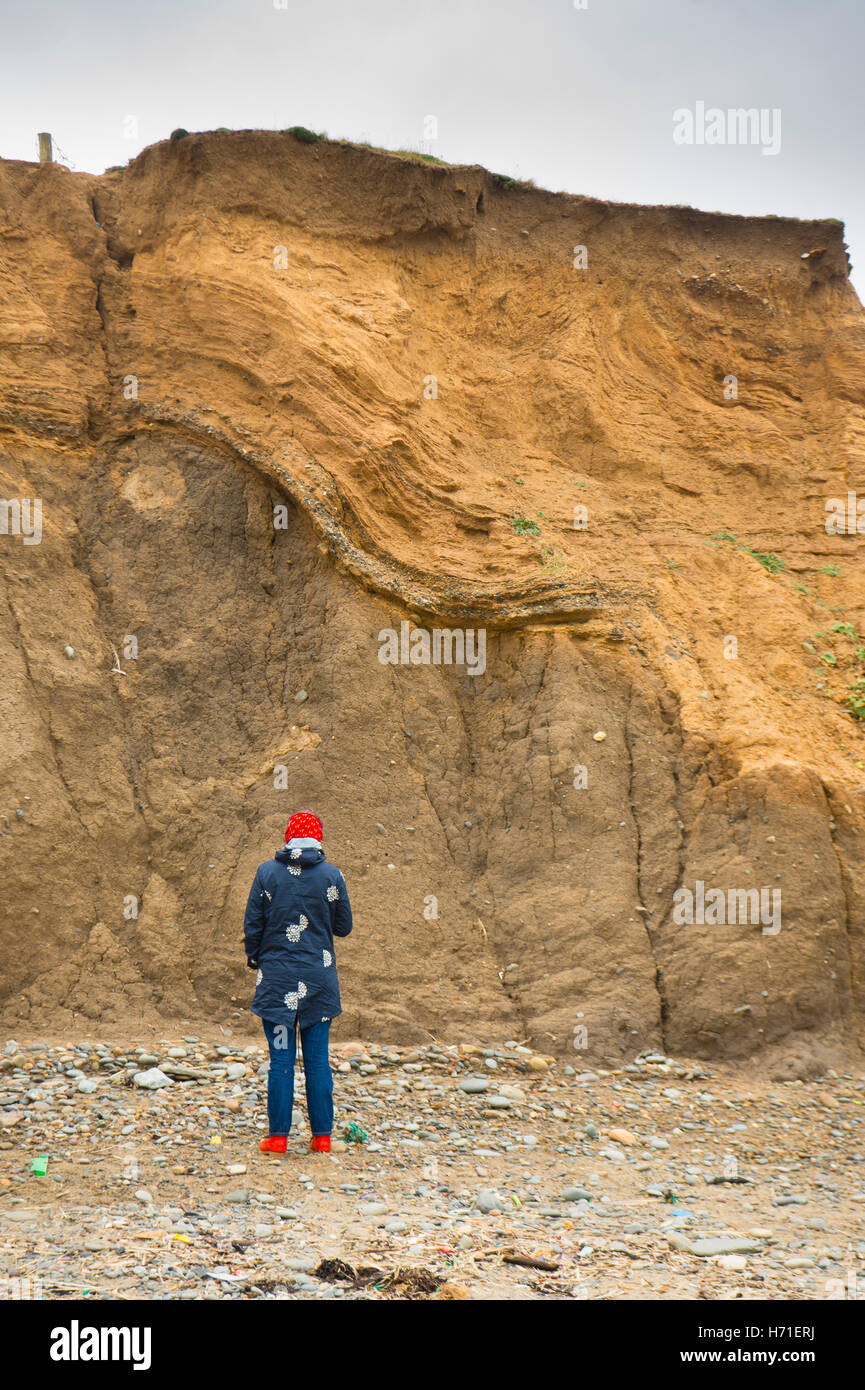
x: 320, y: 1144
x: 274, y: 1144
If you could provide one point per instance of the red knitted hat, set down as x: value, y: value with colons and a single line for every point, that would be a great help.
x: 304, y: 826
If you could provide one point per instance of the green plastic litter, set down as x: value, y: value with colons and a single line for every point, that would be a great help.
x: 353, y: 1134
x: 39, y: 1166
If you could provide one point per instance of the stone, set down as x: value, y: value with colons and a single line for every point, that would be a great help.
x: 151, y: 1080
x: 622, y: 1136
x: 725, y: 1245
x: 488, y: 1201
x: 474, y: 1085
x: 514, y: 1093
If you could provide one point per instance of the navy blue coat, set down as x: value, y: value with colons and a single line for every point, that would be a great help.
x: 297, y: 904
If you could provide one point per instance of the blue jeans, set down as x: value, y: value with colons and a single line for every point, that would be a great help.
x: 282, y: 1044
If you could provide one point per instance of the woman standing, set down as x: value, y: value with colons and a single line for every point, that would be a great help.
x: 297, y: 904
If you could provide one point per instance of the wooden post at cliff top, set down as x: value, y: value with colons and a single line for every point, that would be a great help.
x: 44, y: 147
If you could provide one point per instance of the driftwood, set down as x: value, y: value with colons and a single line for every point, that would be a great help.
x: 510, y: 1257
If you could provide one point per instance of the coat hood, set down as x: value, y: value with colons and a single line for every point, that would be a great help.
x: 299, y: 857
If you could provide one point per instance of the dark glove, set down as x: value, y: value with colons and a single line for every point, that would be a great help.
x: 252, y: 962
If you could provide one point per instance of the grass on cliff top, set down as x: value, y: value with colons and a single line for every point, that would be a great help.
x: 306, y: 136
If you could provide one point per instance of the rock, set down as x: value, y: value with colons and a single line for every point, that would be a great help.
x: 151, y: 1080
x: 538, y: 1064
x: 372, y: 1208
x: 599, y: 736
x: 144, y: 1196
x: 235, y: 1070
x: 732, y: 1261
x: 622, y: 1136
x: 235, y: 1170
x: 499, y: 1103
x: 515, y: 1093
x: 789, y: 1201
x: 474, y: 1085
x: 262, y: 1230
x: 576, y: 1194
x: 301, y: 697
x: 722, y: 1245
x: 614, y: 1155
x: 487, y: 1201
x: 591, y: 1131
x: 88, y: 1085
x: 239, y: 1194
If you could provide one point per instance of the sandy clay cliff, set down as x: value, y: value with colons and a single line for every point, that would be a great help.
x: 419, y: 376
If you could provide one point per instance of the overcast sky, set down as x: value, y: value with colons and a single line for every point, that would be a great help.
x: 581, y: 99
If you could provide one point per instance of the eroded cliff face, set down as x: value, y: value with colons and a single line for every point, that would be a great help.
x: 404, y: 359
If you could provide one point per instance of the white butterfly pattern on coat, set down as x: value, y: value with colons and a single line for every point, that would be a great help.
x: 292, y: 999
x: 294, y: 929
x: 327, y: 957
x: 333, y: 893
